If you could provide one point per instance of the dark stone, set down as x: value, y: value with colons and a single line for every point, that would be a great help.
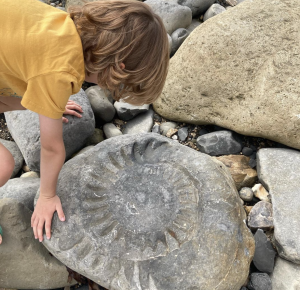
x: 261, y: 216
x: 202, y: 132
x: 259, y: 281
x: 247, y: 151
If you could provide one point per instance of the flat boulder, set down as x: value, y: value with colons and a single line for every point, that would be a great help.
x: 235, y: 71
x: 25, y: 129
x: 144, y: 212
x: 278, y: 171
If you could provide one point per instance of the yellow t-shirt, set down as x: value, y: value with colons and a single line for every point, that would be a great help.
x: 41, y: 57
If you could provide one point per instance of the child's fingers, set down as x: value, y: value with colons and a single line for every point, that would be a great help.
x: 0, y: 239
x: 40, y: 228
x: 60, y: 212
x: 48, y: 229
x: 65, y: 120
x: 34, y: 224
x: 72, y: 112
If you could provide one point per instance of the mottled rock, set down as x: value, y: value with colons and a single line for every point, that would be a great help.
x: 246, y: 193
x: 261, y: 216
x: 143, y: 123
x: 232, y: 79
x: 110, y: 130
x: 260, y: 281
x: 278, y: 171
x: 144, y: 212
x: 24, y: 127
x: 219, y: 143
x: 127, y: 111
x: 166, y: 126
x: 195, y: 23
x: 96, y: 138
x: 286, y: 275
x: 197, y: 6
x: 213, y: 10
x: 16, y: 153
x: 178, y: 37
x: 101, y: 106
x: 183, y: 133
x: 156, y: 129
x: 261, y: 193
x: 25, y: 263
x: 264, y: 253
x: 243, y: 175
x: 22, y: 190
x: 174, y: 16
x: 84, y: 150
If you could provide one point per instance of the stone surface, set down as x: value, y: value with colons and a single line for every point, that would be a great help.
x: 30, y: 174
x: 24, y: 127
x: 170, y: 43
x: 213, y: 10
x: 143, y: 123
x: 156, y: 129
x: 183, y: 133
x: 25, y: 263
x: 101, y: 106
x: 144, y: 212
x: 264, y: 253
x: 110, y: 130
x: 197, y: 6
x: 166, y: 126
x: 278, y: 171
x: 127, y: 111
x: 286, y: 275
x: 243, y: 175
x: 246, y: 193
x: 174, y: 16
x: 195, y: 23
x: 235, y: 71
x: 96, y: 138
x: 219, y: 143
x: 22, y: 190
x: 261, y: 216
x: 16, y: 153
x: 76, y: 2
x: 178, y: 37
x: 261, y: 193
x: 260, y: 281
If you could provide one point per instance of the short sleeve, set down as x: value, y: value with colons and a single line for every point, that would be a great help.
x: 48, y: 94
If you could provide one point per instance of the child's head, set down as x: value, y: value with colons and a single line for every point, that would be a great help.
x: 116, y: 31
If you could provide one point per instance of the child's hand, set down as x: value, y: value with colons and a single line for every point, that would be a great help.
x: 43, y: 213
x: 71, y: 109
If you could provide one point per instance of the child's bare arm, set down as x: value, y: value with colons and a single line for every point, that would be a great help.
x: 52, y: 160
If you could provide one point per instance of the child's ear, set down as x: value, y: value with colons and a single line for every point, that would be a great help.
x: 122, y: 65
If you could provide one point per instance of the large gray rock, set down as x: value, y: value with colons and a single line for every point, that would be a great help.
x: 174, y: 16
x: 127, y: 111
x: 25, y: 263
x: 24, y: 127
x: 22, y: 190
x: 16, y: 153
x: 213, y: 10
x: 144, y: 212
x: 286, y: 275
x: 197, y: 6
x: 142, y: 123
x: 235, y: 71
x: 278, y: 171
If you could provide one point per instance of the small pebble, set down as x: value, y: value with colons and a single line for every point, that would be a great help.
x: 247, y: 151
x: 156, y: 129
x: 246, y: 194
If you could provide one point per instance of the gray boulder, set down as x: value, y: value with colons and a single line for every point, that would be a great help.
x: 264, y: 253
x: 127, y: 111
x: 286, y: 275
x: 174, y: 16
x: 197, y: 6
x: 143, y: 123
x: 110, y: 130
x: 278, y: 171
x: 219, y: 143
x: 16, y: 153
x: 213, y: 10
x: 101, y: 106
x: 178, y: 37
x: 24, y: 127
x: 25, y: 263
x: 144, y: 212
x: 21, y: 189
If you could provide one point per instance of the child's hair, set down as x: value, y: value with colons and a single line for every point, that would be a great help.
x: 116, y: 31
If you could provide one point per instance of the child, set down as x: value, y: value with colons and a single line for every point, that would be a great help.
x: 46, y: 54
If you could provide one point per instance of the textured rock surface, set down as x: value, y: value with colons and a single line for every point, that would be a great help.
x: 242, y: 174
x: 141, y: 124
x: 219, y: 143
x: 264, y: 253
x: 235, y: 71
x: 278, y: 171
x: 22, y: 190
x: 25, y: 263
x: 24, y: 127
x: 127, y: 111
x: 110, y: 130
x: 246, y: 193
x: 174, y: 16
x: 286, y: 275
x: 260, y: 281
x: 197, y: 6
x: 16, y: 153
x: 261, y: 216
x: 213, y: 10
x: 144, y: 212
x: 178, y: 37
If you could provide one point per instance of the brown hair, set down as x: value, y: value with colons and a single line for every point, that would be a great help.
x: 116, y: 31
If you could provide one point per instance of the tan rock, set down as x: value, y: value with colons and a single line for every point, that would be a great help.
x: 261, y: 193
x: 238, y: 165
x: 171, y: 132
x: 235, y: 71
x: 248, y: 209
x: 30, y: 174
